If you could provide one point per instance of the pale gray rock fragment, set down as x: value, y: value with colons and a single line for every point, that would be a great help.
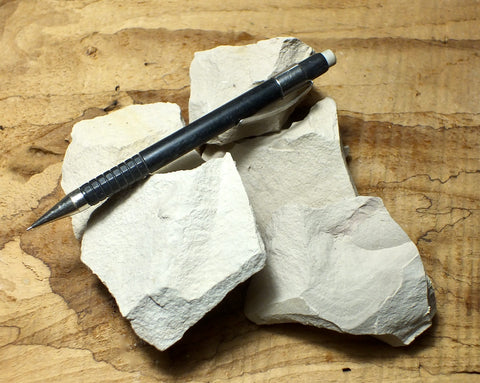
x: 346, y: 267
x: 174, y: 247
x: 102, y: 142
x: 220, y: 74
x: 300, y: 165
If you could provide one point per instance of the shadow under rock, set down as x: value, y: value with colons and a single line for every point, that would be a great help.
x: 218, y: 332
x: 225, y: 329
x: 303, y: 108
x: 361, y: 348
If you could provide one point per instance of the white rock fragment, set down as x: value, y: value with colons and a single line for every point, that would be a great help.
x: 300, y: 165
x: 173, y: 248
x: 220, y: 74
x: 347, y: 267
x: 103, y: 142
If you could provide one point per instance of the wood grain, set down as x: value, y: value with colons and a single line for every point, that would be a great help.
x: 406, y: 85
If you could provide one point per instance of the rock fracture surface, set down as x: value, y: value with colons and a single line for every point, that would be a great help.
x: 172, y: 249
x: 347, y: 267
x: 223, y: 73
x: 303, y: 164
x: 102, y: 142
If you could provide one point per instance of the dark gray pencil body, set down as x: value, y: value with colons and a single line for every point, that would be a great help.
x: 188, y: 138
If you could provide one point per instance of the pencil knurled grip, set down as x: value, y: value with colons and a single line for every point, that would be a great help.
x: 117, y: 178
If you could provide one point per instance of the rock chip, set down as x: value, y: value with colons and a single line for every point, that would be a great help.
x: 103, y: 142
x: 300, y: 165
x: 347, y: 267
x: 220, y: 74
x: 174, y: 247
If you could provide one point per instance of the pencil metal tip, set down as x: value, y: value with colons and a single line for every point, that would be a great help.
x: 69, y: 205
x: 47, y: 217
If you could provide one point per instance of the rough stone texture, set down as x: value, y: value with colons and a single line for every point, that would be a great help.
x: 347, y: 267
x: 303, y: 164
x: 173, y: 248
x: 214, y: 82
x: 102, y: 142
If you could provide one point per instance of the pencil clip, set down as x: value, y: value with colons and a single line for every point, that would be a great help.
x: 279, y: 106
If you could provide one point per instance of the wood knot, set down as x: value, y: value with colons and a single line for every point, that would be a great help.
x: 91, y: 51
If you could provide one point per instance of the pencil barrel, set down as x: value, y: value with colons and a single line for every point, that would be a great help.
x: 114, y: 180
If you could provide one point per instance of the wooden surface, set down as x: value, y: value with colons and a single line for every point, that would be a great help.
x: 407, y: 88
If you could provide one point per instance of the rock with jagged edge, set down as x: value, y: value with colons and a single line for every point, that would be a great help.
x: 102, y: 142
x: 303, y: 164
x: 220, y: 74
x: 173, y: 247
x: 346, y: 267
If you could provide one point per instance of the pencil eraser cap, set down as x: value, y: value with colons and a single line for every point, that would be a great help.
x: 330, y: 57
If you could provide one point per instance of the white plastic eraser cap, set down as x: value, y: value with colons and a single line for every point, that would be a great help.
x: 330, y: 57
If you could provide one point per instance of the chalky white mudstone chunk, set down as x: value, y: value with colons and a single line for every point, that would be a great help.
x: 347, y: 267
x: 103, y: 142
x: 174, y: 247
x: 303, y: 164
x: 220, y: 74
